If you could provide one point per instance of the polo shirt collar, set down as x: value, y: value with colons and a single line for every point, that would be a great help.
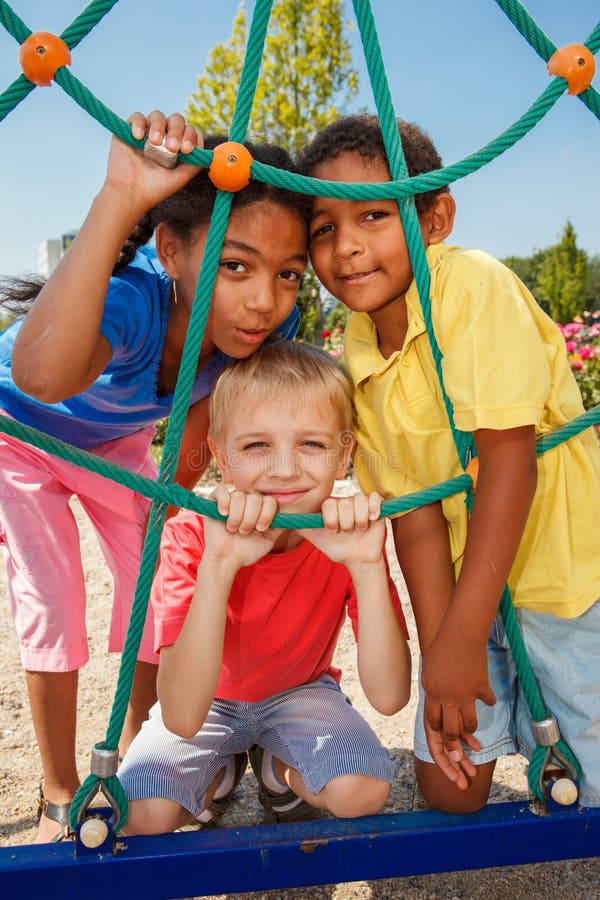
x: 365, y: 359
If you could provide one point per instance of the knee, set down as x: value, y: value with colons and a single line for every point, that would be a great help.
x: 442, y: 794
x: 350, y: 796
x: 454, y: 801
x: 153, y: 816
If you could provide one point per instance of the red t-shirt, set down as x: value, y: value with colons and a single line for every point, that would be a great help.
x: 284, y: 613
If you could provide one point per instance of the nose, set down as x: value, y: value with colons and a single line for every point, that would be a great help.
x: 347, y: 242
x: 285, y: 464
x: 262, y: 297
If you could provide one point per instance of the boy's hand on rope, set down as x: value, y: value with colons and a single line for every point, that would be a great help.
x: 353, y: 533
x: 245, y: 537
x: 143, y: 181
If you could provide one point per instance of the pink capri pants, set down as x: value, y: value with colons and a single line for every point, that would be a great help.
x: 42, y: 551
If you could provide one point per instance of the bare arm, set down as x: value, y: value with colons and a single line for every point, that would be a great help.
x: 354, y: 535
x: 455, y: 661
x: 194, y: 453
x: 189, y: 670
x: 383, y: 654
x: 423, y: 550
x: 59, y: 351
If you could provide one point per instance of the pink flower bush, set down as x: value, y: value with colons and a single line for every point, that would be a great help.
x: 333, y: 341
x: 582, y: 341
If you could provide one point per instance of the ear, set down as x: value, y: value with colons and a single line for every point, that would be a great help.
x: 348, y: 442
x: 438, y: 221
x: 220, y: 459
x: 167, y: 247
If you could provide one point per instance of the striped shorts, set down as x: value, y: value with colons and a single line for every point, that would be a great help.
x: 313, y: 728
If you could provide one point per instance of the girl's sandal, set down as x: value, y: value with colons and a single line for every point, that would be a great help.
x: 57, y: 812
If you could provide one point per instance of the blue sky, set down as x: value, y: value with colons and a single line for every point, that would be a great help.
x: 458, y: 67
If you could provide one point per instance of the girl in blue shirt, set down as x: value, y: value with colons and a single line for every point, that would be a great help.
x: 95, y: 362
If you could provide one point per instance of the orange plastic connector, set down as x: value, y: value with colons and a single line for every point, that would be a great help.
x: 575, y: 63
x: 230, y: 166
x: 473, y: 470
x: 41, y: 55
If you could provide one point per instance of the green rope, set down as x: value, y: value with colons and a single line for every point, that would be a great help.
x: 13, y: 24
x: 87, y: 19
x: 528, y: 27
x: 183, y: 389
x: 463, y: 441
x: 541, y: 43
x: 408, y: 212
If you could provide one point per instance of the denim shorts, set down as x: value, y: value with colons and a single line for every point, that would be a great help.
x: 565, y: 657
x: 313, y: 728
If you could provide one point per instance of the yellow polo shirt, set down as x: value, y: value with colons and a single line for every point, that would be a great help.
x: 504, y: 366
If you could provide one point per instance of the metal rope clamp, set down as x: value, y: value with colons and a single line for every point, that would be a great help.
x: 564, y: 790
x: 160, y: 154
x: 104, y: 764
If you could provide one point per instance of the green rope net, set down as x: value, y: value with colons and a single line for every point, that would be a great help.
x: 164, y: 492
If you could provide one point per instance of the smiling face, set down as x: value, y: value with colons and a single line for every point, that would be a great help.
x: 261, y: 265
x: 358, y: 248
x: 293, y: 456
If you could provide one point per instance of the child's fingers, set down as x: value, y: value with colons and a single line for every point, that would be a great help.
x: 156, y: 126
x: 361, y: 512
x: 374, y: 506
x: 175, y: 127
x: 329, y: 511
x: 470, y: 741
x: 249, y: 512
x: 191, y: 139
x: 138, y: 123
x: 346, y: 514
x: 434, y: 714
x: 235, y: 512
x: 266, y: 514
x: 438, y: 753
x: 221, y: 497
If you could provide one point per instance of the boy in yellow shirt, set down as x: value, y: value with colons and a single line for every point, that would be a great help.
x: 534, y: 521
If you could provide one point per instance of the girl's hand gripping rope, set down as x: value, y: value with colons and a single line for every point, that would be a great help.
x: 137, y: 175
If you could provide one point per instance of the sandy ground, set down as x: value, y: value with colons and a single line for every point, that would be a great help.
x: 20, y: 768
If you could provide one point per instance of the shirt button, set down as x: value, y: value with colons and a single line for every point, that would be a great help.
x: 406, y: 361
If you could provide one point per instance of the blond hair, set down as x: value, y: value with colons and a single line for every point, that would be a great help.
x: 299, y: 374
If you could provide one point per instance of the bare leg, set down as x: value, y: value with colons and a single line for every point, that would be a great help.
x: 143, y: 696
x: 346, y: 796
x: 156, y: 815
x: 53, y: 703
x: 440, y: 793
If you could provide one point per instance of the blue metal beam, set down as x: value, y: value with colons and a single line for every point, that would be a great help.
x: 228, y: 860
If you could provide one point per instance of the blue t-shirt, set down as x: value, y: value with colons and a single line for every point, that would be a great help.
x: 124, y: 398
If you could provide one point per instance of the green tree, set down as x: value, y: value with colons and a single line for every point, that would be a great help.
x: 306, y: 78
x: 306, y: 71
x: 562, y: 277
x: 592, y: 288
x: 528, y: 268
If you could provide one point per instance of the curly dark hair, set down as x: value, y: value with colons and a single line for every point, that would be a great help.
x: 191, y: 207
x: 184, y: 212
x: 362, y: 134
